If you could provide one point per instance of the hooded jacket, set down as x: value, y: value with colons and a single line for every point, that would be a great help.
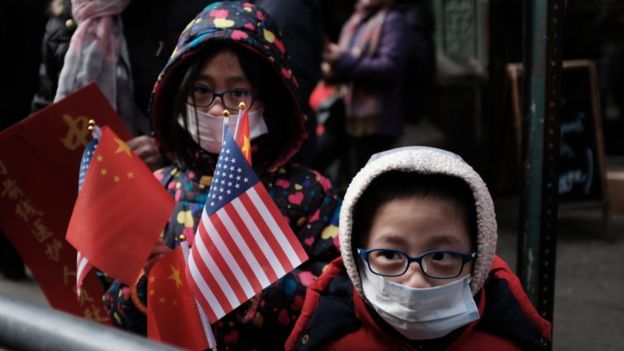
x: 508, y: 319
x: 305, y: 197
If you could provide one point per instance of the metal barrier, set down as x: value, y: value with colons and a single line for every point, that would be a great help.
x: 27, y: 327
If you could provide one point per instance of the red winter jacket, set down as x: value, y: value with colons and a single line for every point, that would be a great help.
x: 334, y: 317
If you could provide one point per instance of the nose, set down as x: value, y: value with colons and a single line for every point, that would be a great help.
x: 415, y: 278
x: 217, y: 107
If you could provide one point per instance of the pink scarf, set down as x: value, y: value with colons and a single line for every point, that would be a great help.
x: 98, y: 52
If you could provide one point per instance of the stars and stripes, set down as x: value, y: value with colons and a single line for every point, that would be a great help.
x: 243, y: 242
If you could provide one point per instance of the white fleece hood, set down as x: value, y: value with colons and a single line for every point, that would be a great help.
x: 424, y: 160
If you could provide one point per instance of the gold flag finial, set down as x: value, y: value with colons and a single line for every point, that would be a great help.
x: 92, y: 125
x: 182, y: 237
x: 242, y: 106
x: 226, y: 113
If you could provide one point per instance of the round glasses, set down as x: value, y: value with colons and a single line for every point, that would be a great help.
x: 438, y: 264
x: 203, y: 96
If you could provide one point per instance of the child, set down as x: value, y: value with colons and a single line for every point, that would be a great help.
x: 232, y: 52
x: 418, y: 269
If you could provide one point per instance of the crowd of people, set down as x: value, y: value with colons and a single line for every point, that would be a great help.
x: 414, y: 265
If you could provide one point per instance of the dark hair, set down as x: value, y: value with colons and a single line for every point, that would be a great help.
x: 400, y: 185
x: 279, y: 104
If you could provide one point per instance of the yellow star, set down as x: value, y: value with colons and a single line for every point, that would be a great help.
x: 122, y: 147
x: 175, y: 276
x: 151, y: 279
x: 99, y: 158
x: 130, y: 175
x: 116, y: 179
x: 151, y: 292
x: 103, y: 171
x: 175, y: 303
x: 246, y: 145
x: 162, y: 300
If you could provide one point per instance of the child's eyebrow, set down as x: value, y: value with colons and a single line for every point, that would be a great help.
x: 444, y: 239
x: 393, y: 239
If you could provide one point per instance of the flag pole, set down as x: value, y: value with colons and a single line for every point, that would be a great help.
x: 212, y: 343
x: 241, y: 109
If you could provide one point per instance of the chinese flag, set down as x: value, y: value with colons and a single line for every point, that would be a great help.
x: 241, y: 135
x: 39, y: 161
x: 172, y: 315
x: 120, y: 211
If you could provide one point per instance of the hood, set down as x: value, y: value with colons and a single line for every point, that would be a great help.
x: 425, y: 160
x: 239, y: 24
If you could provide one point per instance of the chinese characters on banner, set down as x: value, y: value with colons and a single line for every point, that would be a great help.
x: 39, y: 161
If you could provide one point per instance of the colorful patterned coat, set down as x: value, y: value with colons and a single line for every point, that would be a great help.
x: 304, y: 196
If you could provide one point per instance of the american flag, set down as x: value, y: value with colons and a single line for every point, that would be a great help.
x: 82, y: 264
x: 243, y: 242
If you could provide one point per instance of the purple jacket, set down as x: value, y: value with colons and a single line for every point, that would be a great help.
x: 384, y: 71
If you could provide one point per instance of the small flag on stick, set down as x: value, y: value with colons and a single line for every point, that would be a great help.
x: 243, y: 242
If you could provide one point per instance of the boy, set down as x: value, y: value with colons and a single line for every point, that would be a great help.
x: 418, y: 271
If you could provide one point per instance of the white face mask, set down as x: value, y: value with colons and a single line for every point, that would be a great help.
x: 420, y: 314
x: 209, y: 128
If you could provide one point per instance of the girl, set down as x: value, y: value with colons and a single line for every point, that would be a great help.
x: 231, y: 53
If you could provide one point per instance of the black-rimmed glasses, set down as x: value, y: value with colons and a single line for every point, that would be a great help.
x: 437, y: 264
x: 203, y: 96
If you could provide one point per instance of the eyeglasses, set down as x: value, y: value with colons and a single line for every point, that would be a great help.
x: 438, y: 264
x: 204, y: 97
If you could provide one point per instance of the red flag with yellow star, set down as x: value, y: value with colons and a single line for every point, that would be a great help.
x: 120, y: 211
x: 241, y: 135
x: 172, y: 314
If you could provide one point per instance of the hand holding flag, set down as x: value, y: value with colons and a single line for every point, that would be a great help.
x: 120, y: 210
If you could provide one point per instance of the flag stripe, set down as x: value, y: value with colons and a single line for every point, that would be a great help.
x: 278, y: 236
x: 243, y: 238
x: 226, y: 261
x: 234, y: 230
x: 201, y: 289
x: 262, y: 235
x: 209, y: 270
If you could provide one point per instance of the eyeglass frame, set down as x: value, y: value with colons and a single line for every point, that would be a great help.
x: 215, y: 95
x: 364, y: 254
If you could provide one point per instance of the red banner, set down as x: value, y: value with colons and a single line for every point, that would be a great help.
x: 39, y: 163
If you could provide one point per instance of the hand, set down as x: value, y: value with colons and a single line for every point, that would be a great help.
x: 145, y: 147
x: 159, y: 250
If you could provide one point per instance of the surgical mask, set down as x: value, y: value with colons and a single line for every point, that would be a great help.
x: 420, y: 314
x: 208, y: 128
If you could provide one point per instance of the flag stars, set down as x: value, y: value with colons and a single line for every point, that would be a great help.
x: 130, y: 175
x: 103, y: 171
x: 100, y: 158
x: 116, y: 179
x: 246, y: 179
x: 122, y: 147
x: 237, y: 186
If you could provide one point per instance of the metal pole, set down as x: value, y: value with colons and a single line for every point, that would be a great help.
x: 541, y: 105
x: 27, y: 327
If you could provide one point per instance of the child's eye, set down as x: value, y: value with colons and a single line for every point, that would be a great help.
x: 201, y: 89
x: 441, y: 256
x: 391, y: 255
x: 240, y: 93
